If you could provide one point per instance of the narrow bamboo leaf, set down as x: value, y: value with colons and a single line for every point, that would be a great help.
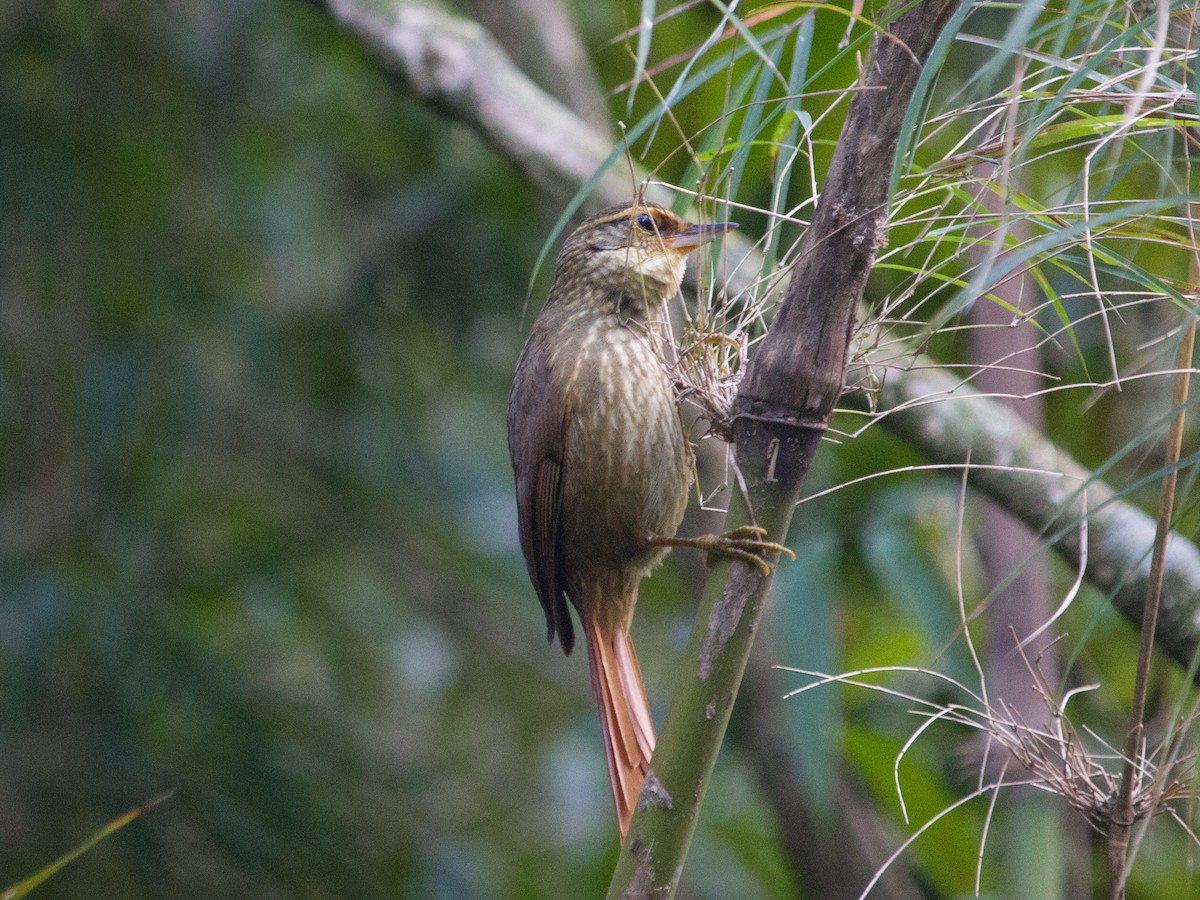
x: 873, y: 27
x: 787, y: 133
x: 1081, y: 73
x: 645, y: 31
x: 749, y: 37
x: 1015, y: 37
x: 21, y: 888
x: 1066, y: 25
x: 714, y: 138
x: 676, y: 92
x: 1057, y: 242
x: 1050, y: 136
x: 770, y: 144
x: 755, y: 117
x: 685, y: 84
x: 909, y: 129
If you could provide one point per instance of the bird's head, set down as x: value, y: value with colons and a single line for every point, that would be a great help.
x: 634, y: 252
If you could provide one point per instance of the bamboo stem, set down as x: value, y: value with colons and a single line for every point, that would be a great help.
x: 1123, y: 813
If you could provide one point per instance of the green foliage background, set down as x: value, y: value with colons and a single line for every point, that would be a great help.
x: 258, y: 316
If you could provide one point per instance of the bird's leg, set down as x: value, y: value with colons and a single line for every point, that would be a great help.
x: 745, y: 543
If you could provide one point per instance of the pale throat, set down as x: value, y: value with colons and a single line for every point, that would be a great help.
x: 649, y: 281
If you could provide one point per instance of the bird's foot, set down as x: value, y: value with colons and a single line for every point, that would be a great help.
x: 745, y: 543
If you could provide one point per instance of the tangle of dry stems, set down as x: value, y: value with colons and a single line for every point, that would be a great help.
x: 1052, y: 756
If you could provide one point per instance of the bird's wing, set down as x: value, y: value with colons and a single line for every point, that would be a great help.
x: 537, y: 426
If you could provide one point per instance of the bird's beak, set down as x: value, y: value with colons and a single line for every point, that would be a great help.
x: 697, y: 235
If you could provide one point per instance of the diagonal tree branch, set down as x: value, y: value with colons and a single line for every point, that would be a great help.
x: 454, y: 65
x: 1043, y: 486
x: 541, y: 38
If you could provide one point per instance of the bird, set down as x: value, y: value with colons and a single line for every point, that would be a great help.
x: 602, y: 460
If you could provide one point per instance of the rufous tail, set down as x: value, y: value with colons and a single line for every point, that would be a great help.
x: 624, y: 716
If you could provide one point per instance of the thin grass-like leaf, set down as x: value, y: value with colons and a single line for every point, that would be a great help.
x: 749, y: 37
x: 21, y: 888
x: 645, y: 30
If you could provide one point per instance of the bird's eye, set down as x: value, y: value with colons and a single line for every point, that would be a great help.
x: 644, y: 222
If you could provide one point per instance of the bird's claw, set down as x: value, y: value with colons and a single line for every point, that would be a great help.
x: 745, y: 543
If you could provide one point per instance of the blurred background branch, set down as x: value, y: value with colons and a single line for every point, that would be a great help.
x: 950, y: 422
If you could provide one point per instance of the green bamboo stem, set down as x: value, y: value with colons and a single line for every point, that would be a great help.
x: 710, y: 673
x: 1123, y: 815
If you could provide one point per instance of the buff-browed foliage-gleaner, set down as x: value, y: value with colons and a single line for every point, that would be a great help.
x: 602, y: 460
